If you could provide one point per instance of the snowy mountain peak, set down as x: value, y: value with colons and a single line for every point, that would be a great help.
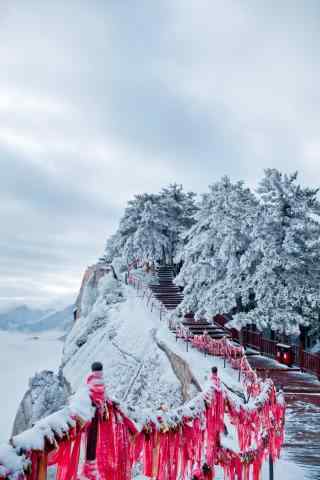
x: 27, y: 319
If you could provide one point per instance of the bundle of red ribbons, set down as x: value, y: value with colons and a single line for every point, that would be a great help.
x: 172, y: 446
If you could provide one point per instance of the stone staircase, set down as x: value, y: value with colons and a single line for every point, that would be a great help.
x: 198, y: 327
x: 171, y: 296
x: 164, y: 289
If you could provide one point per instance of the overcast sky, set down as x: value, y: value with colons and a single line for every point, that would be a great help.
x: 103, y: 99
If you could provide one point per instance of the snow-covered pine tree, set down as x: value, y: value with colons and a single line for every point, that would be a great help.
x: 213, y: 249
x: 151, y: 226
x: 179, y: 208
x: 282, y: 263
x: 130, y: 223
x: 112, y: 248
x: 120, y: 244
x: 150, y: 242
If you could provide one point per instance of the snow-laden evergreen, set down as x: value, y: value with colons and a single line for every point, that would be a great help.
x: 151, y: 226
x: 254, y: 255
x: 214, y: 247
x: 257, y: 257
x: 282, y: 263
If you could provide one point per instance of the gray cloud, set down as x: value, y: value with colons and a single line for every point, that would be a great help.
x: 100, y: 100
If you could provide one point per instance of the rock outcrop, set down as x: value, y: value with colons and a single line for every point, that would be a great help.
x: 47, y: 393
x: 89, y: 285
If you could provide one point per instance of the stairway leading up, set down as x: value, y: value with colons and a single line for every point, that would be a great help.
x: 170, y: 295
x: 164, y: 289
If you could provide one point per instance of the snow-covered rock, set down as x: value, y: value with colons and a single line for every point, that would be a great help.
x: 119, y: 332
x: 47, y: 393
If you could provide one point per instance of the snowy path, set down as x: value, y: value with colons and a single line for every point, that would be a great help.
x: 20, y: 357
x: 302, y: 442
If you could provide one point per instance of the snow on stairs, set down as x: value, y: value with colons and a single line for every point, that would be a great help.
x: 165, y: 290
x: 198, y: 328
x: 171, y: 296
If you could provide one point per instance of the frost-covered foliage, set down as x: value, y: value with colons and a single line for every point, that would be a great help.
x: 47, y: 393
x: 120, y: 266
x: 214, y: 247
x: 255, y: 256
x: 282, y: 265
x: 151, y: 225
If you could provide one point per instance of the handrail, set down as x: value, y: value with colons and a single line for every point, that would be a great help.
x: 45, y: 435
x: 307, y: 361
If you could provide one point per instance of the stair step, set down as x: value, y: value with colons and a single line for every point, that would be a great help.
x: 170, y: 300
x: 163, y: 290
x: 170, y: 286
x: 171, y: 303
x: 196, y: 324
x: 178, y: 297
x: 167, y: 291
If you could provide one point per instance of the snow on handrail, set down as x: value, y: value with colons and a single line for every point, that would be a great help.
x: 13, y: 455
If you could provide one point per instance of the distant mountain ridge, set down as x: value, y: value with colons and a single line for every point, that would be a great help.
x: 27, y: 319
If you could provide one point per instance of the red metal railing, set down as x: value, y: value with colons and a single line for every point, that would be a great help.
x: 268, y: 347
x: 308, y: 362
x: 311, y: 362
x: 252, y: 339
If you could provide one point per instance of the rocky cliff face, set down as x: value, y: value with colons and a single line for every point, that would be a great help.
x: 89, y: 286
x: 46, y: 394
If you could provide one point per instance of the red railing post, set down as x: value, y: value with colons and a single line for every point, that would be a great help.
x: 301, y: 358
x: 42, y: 466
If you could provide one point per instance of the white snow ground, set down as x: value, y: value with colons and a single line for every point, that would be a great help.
x: 21, y: 356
